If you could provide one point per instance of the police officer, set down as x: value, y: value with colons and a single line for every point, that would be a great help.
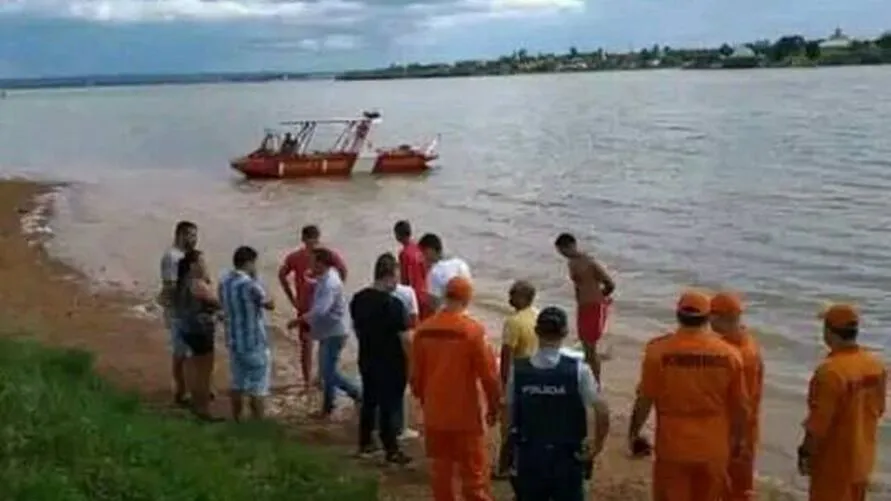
x: 548, y: 396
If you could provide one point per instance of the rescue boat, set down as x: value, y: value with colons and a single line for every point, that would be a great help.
x: 286, y: 153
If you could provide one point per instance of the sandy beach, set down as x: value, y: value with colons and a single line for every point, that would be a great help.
x: 53, y: 301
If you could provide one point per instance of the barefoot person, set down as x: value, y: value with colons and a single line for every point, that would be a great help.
x: 518, y: 340
x: 244, y: 303
x: 326, y: 319
x: 846, y: 402
x: 549, y: 396
x: 196, y: 305
x: 727, y: 310
x: 297, y: 280
x: 381, y: 325
x: 593, y: 287
x: 441, y: 269
x: 185, y: 238
x: 450, y: 362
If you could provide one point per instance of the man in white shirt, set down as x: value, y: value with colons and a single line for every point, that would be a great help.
x: 441, y: 269
x: 409, y: 299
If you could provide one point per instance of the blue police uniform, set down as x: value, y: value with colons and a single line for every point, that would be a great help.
x: 549, y: 428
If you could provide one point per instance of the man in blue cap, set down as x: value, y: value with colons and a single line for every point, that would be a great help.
x: 549, y: 397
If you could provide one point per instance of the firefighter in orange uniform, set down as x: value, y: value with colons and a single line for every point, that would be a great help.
x: 846, y: 401
x: 450, y: 361
x: 694, y: 380
x: 727, y: 309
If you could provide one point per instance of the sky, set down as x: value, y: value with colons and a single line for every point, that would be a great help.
x: 40, y: 38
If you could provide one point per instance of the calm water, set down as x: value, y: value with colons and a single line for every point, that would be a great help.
x: 774, y: 183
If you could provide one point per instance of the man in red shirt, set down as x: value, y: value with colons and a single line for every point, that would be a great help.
x: 299, y: 264
x: 412, y: 267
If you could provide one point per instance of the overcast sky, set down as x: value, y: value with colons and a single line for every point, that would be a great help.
x: 71, y: 37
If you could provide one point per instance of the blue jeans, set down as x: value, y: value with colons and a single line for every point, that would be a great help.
x: 332, y: 380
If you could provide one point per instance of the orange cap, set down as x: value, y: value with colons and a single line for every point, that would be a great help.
x: 459, y: 289
x: 695, y: 303
x: 841, y: 316
x: 726, y: 303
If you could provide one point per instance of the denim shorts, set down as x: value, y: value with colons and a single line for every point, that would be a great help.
x: 251, y: 372
x: 178, y: 346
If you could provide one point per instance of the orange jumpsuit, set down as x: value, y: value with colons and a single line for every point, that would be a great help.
x: 695, y: 381
x: 846, y: 400
x: 450, y: 359
x: 742, y: 468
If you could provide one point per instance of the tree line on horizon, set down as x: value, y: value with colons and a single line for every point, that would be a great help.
x: 786, y: 51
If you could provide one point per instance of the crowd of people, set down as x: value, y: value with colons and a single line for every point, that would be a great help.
x: 703, y: 380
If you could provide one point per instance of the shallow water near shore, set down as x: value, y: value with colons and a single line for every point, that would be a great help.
x: 773, y: 183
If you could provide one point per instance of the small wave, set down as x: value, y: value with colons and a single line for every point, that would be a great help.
x: 149, y: 309
x: 36, y: 222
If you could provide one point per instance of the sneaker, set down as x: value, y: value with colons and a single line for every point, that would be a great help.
x: 398, y: 458
x: 367, y: 452
x: 409, y: 434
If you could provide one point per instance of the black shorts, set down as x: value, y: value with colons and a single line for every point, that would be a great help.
x: 199, y: 344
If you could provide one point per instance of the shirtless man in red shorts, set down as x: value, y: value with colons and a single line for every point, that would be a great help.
x: 593, y: 287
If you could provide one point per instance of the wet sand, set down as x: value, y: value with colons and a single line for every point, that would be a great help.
x: 55, y: 304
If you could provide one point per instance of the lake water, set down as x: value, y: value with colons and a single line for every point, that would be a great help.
x: 773, y: 183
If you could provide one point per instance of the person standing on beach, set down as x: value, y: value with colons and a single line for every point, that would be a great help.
x: 196, y: 304
x: 593, y: 287
x: 440, y: 269
x: 846, y: 402
x: 695, y: 381
x: 518, y: 341
x: 326, y: 319
x: 297, y: 281
x: 726, y: 312
x: 549, y: 396
x: 450, y: 361
x: 185, y: 238
x: 244, y: 302
x: 381, y: 325
x: 406, y: 295
x: 412, y: 269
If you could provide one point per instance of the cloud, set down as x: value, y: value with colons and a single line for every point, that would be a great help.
x: 65, y: 37
x: 437, y: 20
x: 134, y: 11
x: 329, y: 43
x: 424, y: 15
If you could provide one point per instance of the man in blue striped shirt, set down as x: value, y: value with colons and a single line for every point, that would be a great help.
x: 244, y: 301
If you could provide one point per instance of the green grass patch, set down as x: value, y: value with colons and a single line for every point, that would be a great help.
x: 66, y: 435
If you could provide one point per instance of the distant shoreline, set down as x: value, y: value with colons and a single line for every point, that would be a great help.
x: 788, y: 51
x: 86, y: 81
x: 793, y: 51
x: 114, y: 81
x: 744, y: 66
